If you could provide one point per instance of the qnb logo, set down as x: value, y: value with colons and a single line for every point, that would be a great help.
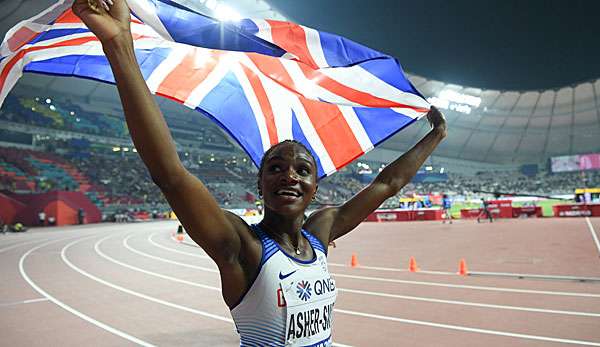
x: 303, y: 290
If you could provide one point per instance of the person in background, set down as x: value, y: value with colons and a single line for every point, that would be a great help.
x: 80, y: 216
x: 42, y: 218
x: 486, y: 211
x: 446, y: 206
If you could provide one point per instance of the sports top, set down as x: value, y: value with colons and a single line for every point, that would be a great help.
x: 290, y: 302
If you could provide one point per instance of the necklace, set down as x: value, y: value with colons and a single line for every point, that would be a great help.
x: 296, y: 248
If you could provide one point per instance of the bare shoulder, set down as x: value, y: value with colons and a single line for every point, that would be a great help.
x: 320, y: 223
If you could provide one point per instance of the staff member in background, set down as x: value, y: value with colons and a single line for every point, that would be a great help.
x: 446, y: 206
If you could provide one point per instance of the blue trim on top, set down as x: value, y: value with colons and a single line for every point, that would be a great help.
x: 314, y: 258
x: 314, y: 241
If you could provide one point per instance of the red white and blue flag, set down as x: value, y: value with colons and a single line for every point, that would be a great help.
x: 262, y: 81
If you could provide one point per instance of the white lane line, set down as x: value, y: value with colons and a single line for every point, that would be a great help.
x: 379, y: 268
x: 396, y: 296
x: 103, y: 255
x: 467, y: 303
x: 126, y: 244
x: 151, y: 240
x: 22, y: 302
x: 476, y: 330
x: 69, y: 308
x: 591, y: 227
x: 460, y: 286
x: 134, y: 293
x: 144, y: 296
x: 463, y: 328
x: 20, y: 244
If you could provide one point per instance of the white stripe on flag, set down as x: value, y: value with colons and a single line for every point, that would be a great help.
x: 163, y: 69
x: 311, y: 135
x: 34, y: 23
x: 357, y: 128
x: 313, y: 41
x: 264, y: 30
x: 56, y: 40
x: 146, y: 12
x: 360, y: 79
x: 16, y: 71
x: 409, y: 112
x: 254, y: 104
x: 275, y: 93
x: 209, y: 83
x: 309, y: 89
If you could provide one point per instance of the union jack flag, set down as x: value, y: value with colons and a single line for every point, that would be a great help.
x: 262, y: 81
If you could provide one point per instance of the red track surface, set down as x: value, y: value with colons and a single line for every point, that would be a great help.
x: 116, y: 285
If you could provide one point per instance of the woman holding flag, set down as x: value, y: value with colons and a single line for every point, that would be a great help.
x: 274, y: 274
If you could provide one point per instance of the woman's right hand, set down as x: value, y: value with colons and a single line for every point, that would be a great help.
x: 107, y: 25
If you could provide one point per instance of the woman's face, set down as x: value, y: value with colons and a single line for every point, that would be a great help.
x: 289, y: 179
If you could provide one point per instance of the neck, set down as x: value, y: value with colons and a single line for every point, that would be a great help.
x: 283, y: 228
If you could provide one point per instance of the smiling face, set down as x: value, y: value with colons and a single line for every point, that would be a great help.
x: 288, y: 179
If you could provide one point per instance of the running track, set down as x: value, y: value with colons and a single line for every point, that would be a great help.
x: 120, y: 285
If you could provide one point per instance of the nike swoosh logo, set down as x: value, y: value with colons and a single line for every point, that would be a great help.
x: 282, y: 276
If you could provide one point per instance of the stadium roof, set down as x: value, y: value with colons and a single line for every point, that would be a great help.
x: 484, y: 125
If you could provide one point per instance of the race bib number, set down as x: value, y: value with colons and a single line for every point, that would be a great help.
x: 309, y: 304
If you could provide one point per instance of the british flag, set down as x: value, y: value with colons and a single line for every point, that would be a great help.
x: 262, y: 81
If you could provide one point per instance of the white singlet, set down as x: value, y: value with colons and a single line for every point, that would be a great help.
x: 290, y: 303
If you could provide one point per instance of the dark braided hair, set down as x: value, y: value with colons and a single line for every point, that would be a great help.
x: 270, y: 150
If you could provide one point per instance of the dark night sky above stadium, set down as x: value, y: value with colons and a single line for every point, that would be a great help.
x: 508, y: 44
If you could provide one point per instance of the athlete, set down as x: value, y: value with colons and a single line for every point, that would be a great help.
x: 274, y: 274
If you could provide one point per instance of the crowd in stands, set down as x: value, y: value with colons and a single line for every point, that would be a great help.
x: 119, y: 179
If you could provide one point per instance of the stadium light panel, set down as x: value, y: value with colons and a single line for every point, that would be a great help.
x: 48, y: 101
x: 52, y: 108
x: 428, y: 168
x: 225, y: 13
x: 211, y: 4
x: 116, y: 149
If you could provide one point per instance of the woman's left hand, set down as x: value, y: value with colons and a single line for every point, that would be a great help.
x: 437, y: 120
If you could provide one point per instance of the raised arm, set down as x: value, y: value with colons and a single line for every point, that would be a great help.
x: 214, y: 230
x: 338, y: 221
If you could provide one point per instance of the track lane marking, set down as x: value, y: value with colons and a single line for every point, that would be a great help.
x: 144, y: 296
x: 126, y: 244
x: 69, y: 308
x: 468, y: 329
x: 371, y: 293
x: 30, y: 301
x: 463, y: 328
x: 21, y: 244
x: 593, y: 231
x: 449, y: 285
x: 133, y: 292
x: 463, y: 286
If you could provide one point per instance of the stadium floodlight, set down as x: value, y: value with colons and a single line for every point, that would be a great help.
x: 72, y: 113
x: 441, y: 170
x: 455, y: 101
x: 211, y: 4
x: 225, y: 13
x: 52, y: 108
x: 48, y: 101
x: 460, y: 98
x: 428, y: 168
x: 116, y: 149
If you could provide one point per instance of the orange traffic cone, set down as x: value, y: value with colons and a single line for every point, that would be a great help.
x: 180, y: 237
x: 462, y: 268
x: 354, y: 260
x: 412, y: 265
